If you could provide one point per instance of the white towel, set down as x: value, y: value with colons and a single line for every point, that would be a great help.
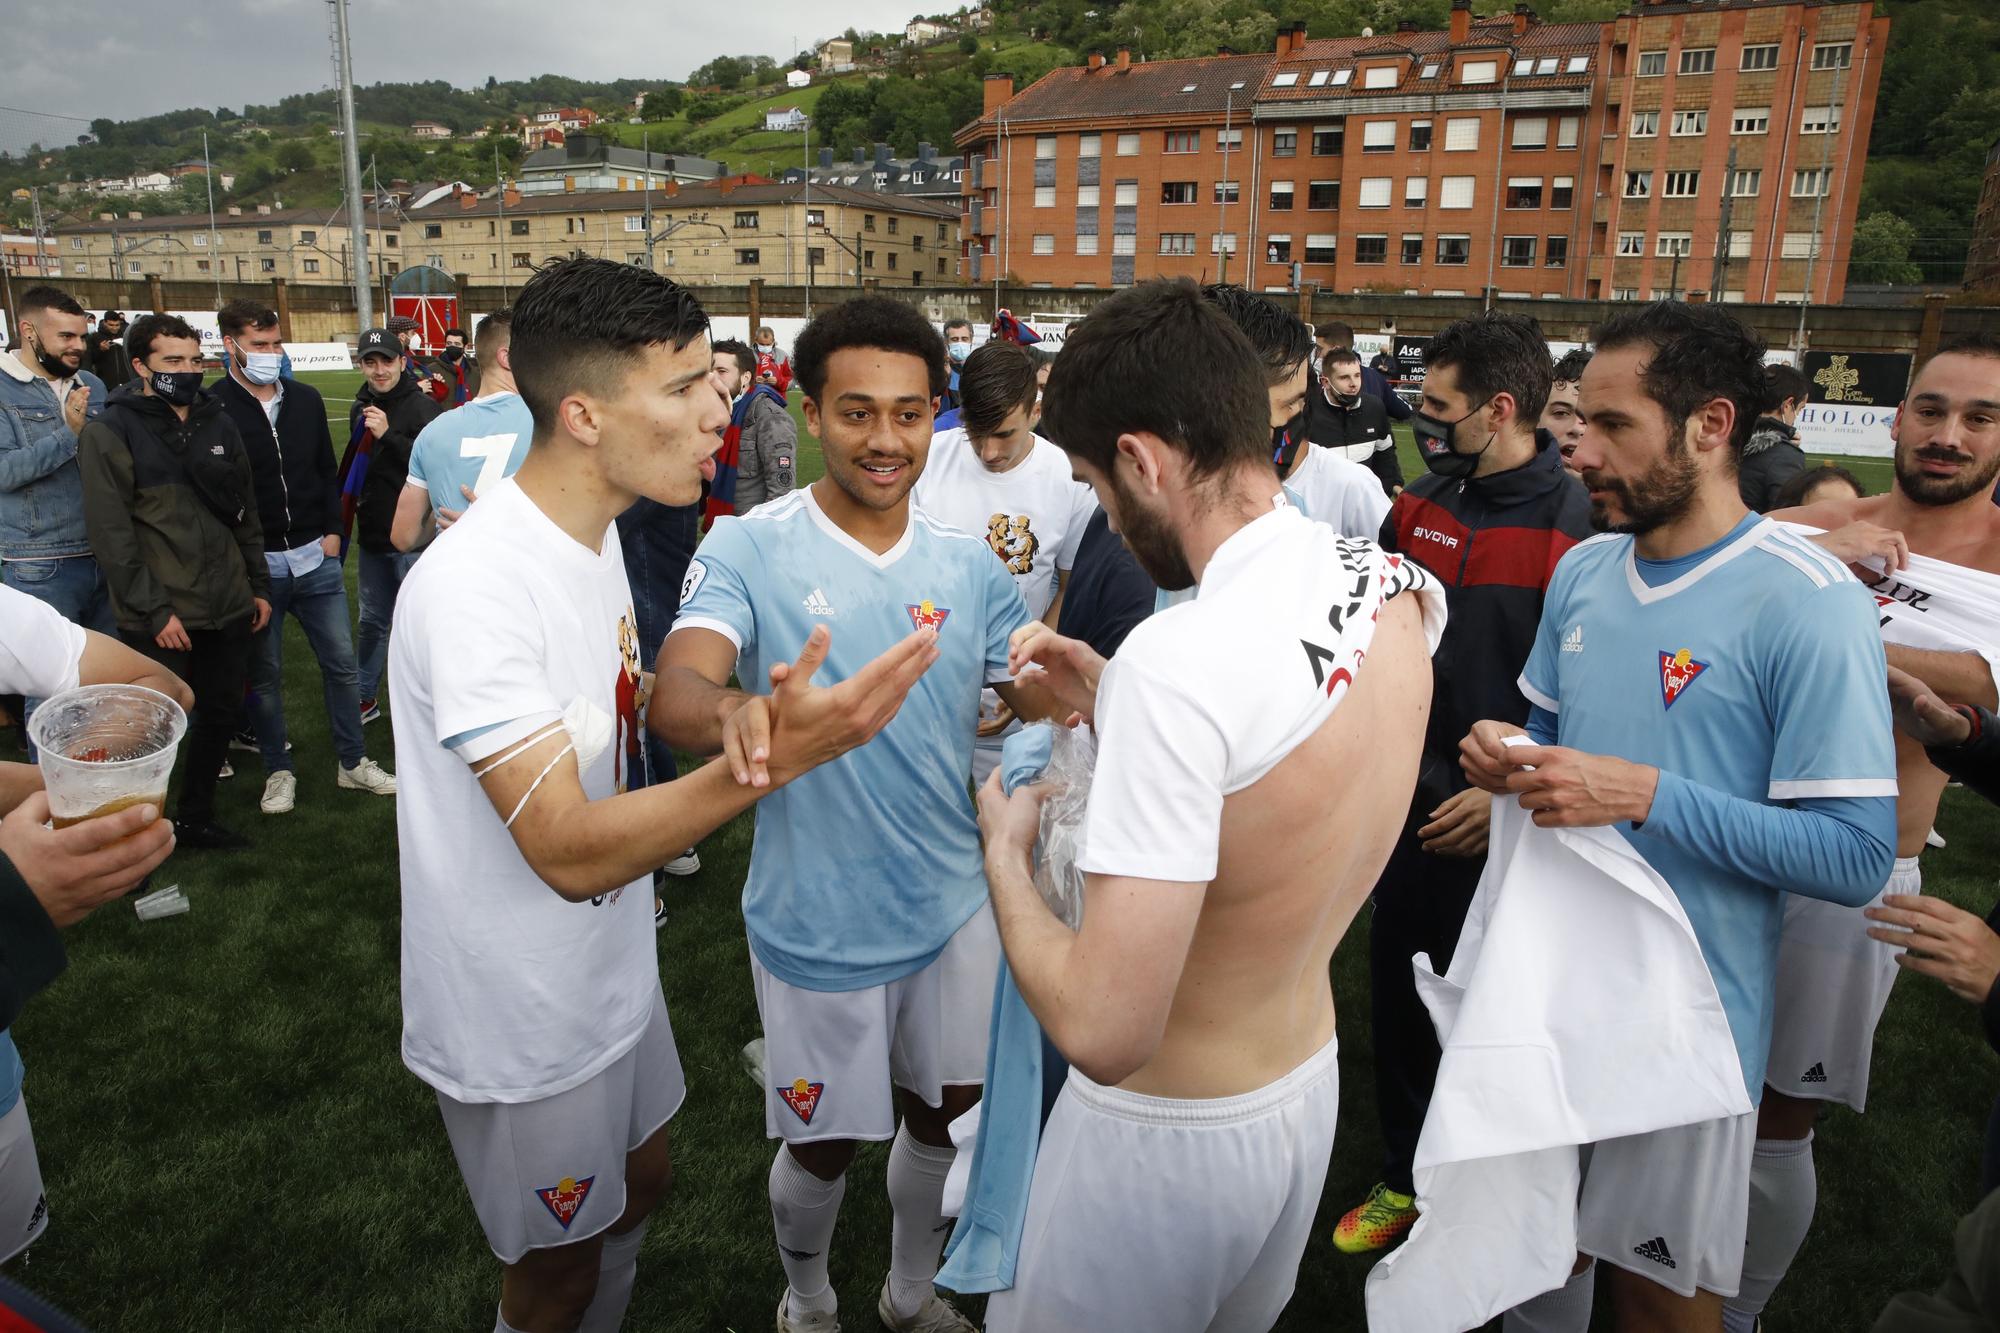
x: 1577, y: 1008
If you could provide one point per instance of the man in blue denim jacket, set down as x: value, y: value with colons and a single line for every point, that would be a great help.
x: 45, y: 399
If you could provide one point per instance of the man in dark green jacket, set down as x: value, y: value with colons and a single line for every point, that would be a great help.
x: 170, y: 506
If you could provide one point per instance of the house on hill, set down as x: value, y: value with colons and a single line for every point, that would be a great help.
x: 786, y: 118
x: 430, y: 130
x: 922, y: 32
x: 836, y: 56
x: 798, y: 78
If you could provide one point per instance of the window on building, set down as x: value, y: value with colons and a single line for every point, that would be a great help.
x: 1125, y: 194
x: 1375, y: 192
x: 1682, y: 185
x: 1760, y: 57
x: 1278, y: 250
x: 1371, y: 249
x: 1322, y: 249
x: 1086, y: 196
x: 1183, y: 141
x: 1284, y: 143
x: 1811, y: 183
x: 1089, y: 145
x: 1518, y: 251
x: 1461, y: 134
x: 1645, y: 124
x: 868, y: 222
x: 1739, y: 245
x: 815, y: 256
x: 1524, y: 192
x: 390, y: 241
x: 521, y: 258
x: 747, y: 221
x: 1328, y: 139
x: 941, y: 235
x: 1556, y: 252
x: 1286, y: 80
x: 1638, y: 185
x: 1672, y: 244
x: 1413, y: 250
x: 1531, y: 132
x: 1128, y: 244
x: 1699, y: 60
x: 1744, y: 184
x: 1832, y: 55
x: 1454, y: 250
x: 1222, y: 242
x: 1689, y: 124
x: 1820, y: 120
x: 1176, y: 242
x: 1229, y: 141
x: 312, y: 265
x: 917, y: 241
x: 868, y: 259
x: 264, y: 237
x: 201, y: 240
x: 1751, y: 120
x: 1567, y: 129
x: 1652, y: 64
x: 1319, y: 78
x: 308, y: 237
x: 76, y: 242
x: 1226, y: 192
x: 1045, y: 196
x: 816, y: 217
x: 1177, y: 192
x: 1524, y: 67
x: 1420, y: 136
x: 940, y: 264
x: 1416, y: 191
x: 1086, y: 245
x: 1045, y: 146
x: 1631, y: 243
x: 1547, y: 65
x: 1281, y: 196
x: 1479, y: 71
x: 1455, y: 192
x: 517, y: 227
x: 1323, y: 195
x: 1562, y: 192
x: 1128, y: 145
x: 1800, y: 245
x: 1381, y: 76
x: 747, y: 257
x: 1378, y: 136
x: 1045, y: 243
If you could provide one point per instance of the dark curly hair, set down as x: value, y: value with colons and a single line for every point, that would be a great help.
x: 1281, y: 338
x: 1700, y: 353
x: 868, y: 321
x: 581, y: 323
x: 1497, y: 352
x: 1570, y: 366
x: 149, y: 329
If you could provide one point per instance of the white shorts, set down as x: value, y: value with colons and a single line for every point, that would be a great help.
x: 1173, y: 1216
x: 24, y: 1208
x: 833, y: 1059
x: 552, y: 1172
x: 1833, y: 983
x: 1671, y: 1206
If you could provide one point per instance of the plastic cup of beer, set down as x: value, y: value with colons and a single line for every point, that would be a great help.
x: 106, y: 748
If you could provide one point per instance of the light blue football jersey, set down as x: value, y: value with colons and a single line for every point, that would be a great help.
x: 1755, y: 668
x: 476, y: 444
x: 861, y: 870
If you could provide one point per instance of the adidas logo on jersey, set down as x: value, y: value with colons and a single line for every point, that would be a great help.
x: 817, y: 605
x: 1817, y: 1074
x: 1656, y: 1250
x: 1573, y: 641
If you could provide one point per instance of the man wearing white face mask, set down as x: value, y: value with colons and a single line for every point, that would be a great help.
x: 957, y: 347
x: 284, y: 430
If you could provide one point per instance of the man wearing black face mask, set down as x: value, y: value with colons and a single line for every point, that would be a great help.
x: 1490, y: 520
x: 456, y: 369
x: 171, y: 508
x: 107, y: 351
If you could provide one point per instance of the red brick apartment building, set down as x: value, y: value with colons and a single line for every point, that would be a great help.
x: 1687, y: 145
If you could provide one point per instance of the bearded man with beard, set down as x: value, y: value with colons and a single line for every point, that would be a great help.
x: 1833, y: 981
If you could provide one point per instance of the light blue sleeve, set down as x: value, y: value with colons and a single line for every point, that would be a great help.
x: 1826, y: 686
x: 1839, y: 849
x: 1005, y: 613
x: 1539, y: 682
x: 426, y: 441
x: 1541, y: 725
x: 716, y: 593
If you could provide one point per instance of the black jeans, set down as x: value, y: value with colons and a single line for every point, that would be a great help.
x: 1420, y: 906
x: 216, y: 668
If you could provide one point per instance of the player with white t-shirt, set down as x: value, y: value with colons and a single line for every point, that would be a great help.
x: 1685, y: 666
x: 872, y: 951
x: 531, y: 988
x: 995, y: 478
x: 1256, y: 749
x: 464, y: 453
x: 42, y: 654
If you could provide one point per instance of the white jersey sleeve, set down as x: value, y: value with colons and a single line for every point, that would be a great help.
x: 489, y: 683
x: 1156, y: 794
x: 41, y: 653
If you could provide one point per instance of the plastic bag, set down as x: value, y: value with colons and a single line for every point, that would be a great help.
x: 1072, y: 758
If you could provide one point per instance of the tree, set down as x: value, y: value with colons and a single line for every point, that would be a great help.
x: 968, y: 44
x: 1881, y: 251
x: 294, y: 155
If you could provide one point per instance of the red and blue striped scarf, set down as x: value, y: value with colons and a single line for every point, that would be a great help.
x: 729, y: 458
x: 353, y: 474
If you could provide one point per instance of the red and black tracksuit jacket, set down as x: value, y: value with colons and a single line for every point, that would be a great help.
x: 1493, y: 542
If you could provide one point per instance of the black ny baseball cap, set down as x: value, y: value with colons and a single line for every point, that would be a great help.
x: 377, y: 342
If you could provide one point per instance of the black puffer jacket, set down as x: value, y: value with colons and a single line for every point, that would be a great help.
x: 409, y: 410
x: 1770, y: 458
x: 298, y: 499
x: 1494, y: 543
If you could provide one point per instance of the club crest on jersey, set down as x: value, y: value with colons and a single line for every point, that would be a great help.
x: 565, y: 1198
x: 803, y: 1098
x: 927, y: 614
x: 1677, y: 672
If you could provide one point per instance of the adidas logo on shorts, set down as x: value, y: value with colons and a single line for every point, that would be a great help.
x: 1817, y: 1074
x: 1656, y: 1250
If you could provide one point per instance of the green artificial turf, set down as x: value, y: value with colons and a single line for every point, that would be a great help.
x: 231, y: 1141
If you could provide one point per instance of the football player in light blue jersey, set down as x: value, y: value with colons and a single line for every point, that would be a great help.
x: 1714, y: 688
x: 873, y: 948
x: 469, y: 449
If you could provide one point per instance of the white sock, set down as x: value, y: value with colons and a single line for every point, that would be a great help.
x: 1564, y: 1310
x: 1784, y: 1190
x: 916, y: 1235
x: 500, y: 1324
x: 803, y: 1211
x: 617, y: 1269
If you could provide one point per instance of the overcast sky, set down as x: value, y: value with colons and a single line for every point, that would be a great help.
x: 87, y: 58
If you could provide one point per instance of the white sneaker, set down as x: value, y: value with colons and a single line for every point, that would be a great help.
x: 368, y: 776
x: 685, y: 864
x: 826, y: 1321
x: 228, y: 770
x: 936, y: 1315
x: 281, y: 793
